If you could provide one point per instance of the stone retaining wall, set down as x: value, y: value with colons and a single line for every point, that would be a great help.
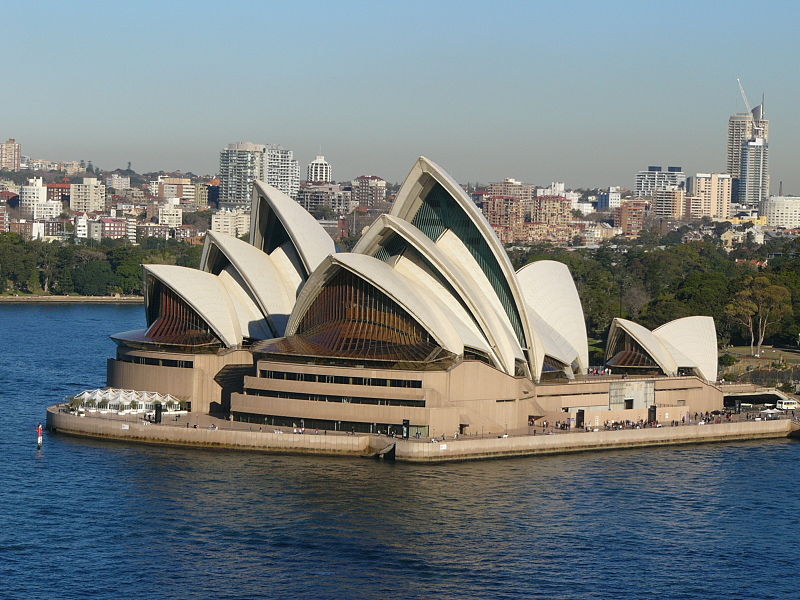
x: 287, y: 443
x: 467, y: 449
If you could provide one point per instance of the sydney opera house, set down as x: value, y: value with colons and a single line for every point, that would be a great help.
x: 424, y: 324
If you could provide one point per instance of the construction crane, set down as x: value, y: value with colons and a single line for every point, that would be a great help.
x: 757, y: 128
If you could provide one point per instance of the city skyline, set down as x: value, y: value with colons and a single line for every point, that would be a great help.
x: 574, y: 93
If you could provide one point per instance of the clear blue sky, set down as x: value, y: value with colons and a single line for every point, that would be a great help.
x: 585, y: 92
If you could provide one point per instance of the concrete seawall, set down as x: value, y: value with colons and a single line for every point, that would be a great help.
x: 413, y: 451
x: 593, y: 441
x: 71, y: 299
x: 93, y: 427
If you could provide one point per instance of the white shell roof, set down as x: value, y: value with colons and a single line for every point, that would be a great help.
x: 310, y: 240
x: 206, y: 294
x: 422, y: 176
x: 499, y: 338
x: 550, y: 292
x: 385, y: 279
x: 270, y: 287
x: 696, y: 339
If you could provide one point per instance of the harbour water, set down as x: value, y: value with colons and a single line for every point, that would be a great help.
x: 88, y: 519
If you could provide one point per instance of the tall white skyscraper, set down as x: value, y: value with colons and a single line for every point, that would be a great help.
x: 239, y: 165
x: 753, y: 185
x: 281, y: 170
x: 742, y: 129
x: 319, y: 171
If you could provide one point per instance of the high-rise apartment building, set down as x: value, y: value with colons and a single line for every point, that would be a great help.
x: 319, y: 171
x: 49, y: 209
x: 713, y: 194
x: 233, y: 222
x: 281, y: 170
x: 10, y: 155
x: 118, y: 182
x: 173, y: 187
x: 743, y: 127
x: 753, y: 184
x: 317, y: 196
x: 630, y: 217
x: 655, y: 177
x: 669, y: 202
x: 553, y: 210
x: 32, y: 194
x: 368, y: 190
x: 239, y: 165
x: 170, y: 215
x: 89, y: 196
x: 512, y: 188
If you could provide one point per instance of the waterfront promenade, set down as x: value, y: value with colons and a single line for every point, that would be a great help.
x: 208, y: 432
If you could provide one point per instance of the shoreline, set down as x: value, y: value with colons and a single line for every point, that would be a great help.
x: 367, y: 445
x: 71, y: 299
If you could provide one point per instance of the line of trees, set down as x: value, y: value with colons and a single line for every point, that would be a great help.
x: 91, y: 269
x: 653, y: 283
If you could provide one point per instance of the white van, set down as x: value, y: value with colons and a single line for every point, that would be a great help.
x: 787, y: 405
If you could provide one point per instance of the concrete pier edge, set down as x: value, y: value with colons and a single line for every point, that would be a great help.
x: 413, y: 451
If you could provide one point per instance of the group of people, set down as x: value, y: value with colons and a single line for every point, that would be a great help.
x: 596, y: 371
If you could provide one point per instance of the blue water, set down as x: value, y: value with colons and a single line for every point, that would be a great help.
x: 86, y: 519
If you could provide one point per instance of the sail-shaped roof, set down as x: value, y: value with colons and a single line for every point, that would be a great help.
x: 278, y: 222
x: 391, y: 238
x: 436, y: 204
x: 550, y: 292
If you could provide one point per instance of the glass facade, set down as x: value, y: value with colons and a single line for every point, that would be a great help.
x: 440, y: 212
x: 351, y: 318
x: 171, y: 321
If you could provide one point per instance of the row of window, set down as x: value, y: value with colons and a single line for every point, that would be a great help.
x: 342, y: 379
x: 156, y: 362
x: 309, y: 425
x: 329, y: 398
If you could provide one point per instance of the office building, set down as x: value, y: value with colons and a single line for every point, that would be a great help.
x: 610, y: 199
x: 782, y: 211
